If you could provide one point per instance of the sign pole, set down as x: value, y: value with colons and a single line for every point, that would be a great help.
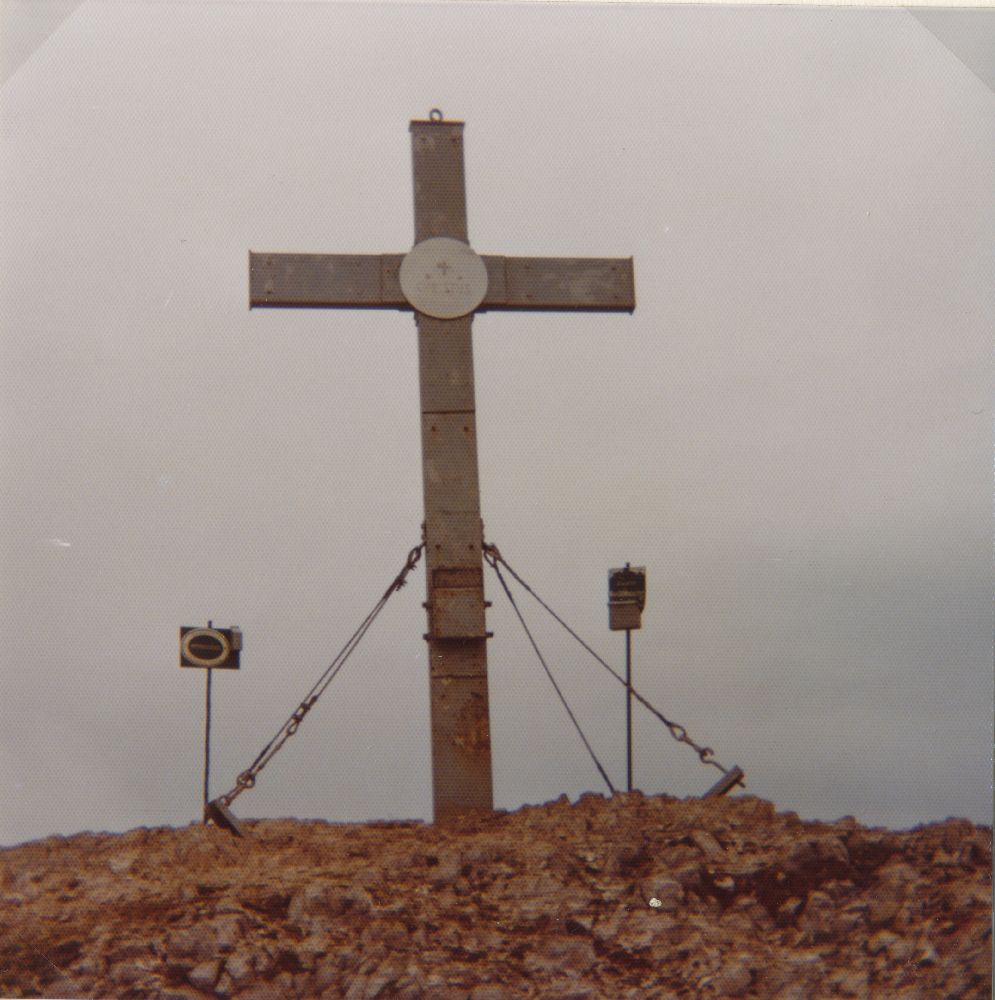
x: 628, y: 707
x: 626, y: 600
x: 207, y: 739
x: 205, y: 649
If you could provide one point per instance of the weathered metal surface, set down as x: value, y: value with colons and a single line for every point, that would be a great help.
x: 449, y: 452
x: 588, y: 283
x: 440, y: 189
x: 456, y: 610
x: 372, y: 281
x: 445, y: 364
x: 461, y: 744
x: 457, y: 613
x: 220, y: 815
x: 726, y: 783
x: 457, y: 649
x: 321, y: 279
x: 443, y: 278
x: 626, y: 597
x: 453, y: 538
x: 622, y: 617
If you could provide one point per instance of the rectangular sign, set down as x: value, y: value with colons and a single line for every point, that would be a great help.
x: 210, y: 648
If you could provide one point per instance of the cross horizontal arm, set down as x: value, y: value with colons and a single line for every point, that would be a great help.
x: 326, y: 279
x: 596, y: 284
x: 372, y: 281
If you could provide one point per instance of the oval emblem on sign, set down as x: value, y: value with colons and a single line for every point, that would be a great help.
x: 443, y: 278
x: 204, y: 647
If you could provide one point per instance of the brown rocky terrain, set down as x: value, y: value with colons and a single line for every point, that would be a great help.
x: 648, y: 897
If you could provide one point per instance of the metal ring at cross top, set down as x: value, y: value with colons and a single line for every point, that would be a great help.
x: 435, y: 115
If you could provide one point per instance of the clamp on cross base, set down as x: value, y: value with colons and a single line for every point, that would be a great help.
x: 217, y: 812
x: 726, y: 783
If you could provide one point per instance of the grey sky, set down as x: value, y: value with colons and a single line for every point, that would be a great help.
x: 792, y: 432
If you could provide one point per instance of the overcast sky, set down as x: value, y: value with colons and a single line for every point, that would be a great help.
x: 792, y: 432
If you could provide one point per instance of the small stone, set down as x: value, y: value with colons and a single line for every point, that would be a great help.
x: 817, y: 922
x: 239, y: 966
x: 666, y: 894
x: 357, y: 988
x: 204, y: 976
x: 706, y: 842
x: 851, y: 983
x: 901, y: 950
x: 735, y: 978
x: 880, y: 941
x: 129, y: 973
x: 488, y: 991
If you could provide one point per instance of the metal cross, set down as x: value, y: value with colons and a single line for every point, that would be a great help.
x: 444, y: 281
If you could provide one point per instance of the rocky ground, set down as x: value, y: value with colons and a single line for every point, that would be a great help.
x: 647, y: 897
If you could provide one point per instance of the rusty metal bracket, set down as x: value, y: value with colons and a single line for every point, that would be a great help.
x: 217, y: 813
x: 726, y: 783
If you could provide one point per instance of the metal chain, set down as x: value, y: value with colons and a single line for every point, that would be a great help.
x: 247, y: 778
x: 705, y: 754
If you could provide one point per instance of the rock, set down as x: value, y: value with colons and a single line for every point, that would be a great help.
x: 667, y: 892
x: 488, y: 991
x: 735, y: 977
x: 707, y: 843
x: 818, y: 921
x: 632, y: 897
x: 881, y: 941
x: 204, y: 975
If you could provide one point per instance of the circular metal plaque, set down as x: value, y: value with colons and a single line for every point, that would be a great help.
x: 444, y: 278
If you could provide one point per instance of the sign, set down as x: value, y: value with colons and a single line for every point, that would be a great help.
x: 626, y: 597
x: 443, y: 278
x: 210, y: 648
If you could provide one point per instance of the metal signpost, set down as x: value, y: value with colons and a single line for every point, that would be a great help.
x: 626, y: 600
x: 444, y: 281
x: 209, y: 649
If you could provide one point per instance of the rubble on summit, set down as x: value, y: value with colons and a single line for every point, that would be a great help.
x: 632, y: 896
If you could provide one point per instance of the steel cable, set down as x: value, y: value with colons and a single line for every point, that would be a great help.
x: 552, y: 680
x: 705, y: 754
x: 247, y: 778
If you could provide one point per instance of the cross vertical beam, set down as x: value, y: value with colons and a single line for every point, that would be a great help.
x: 461, y: 743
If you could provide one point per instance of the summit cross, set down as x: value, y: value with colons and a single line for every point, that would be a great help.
x: 445, y: 282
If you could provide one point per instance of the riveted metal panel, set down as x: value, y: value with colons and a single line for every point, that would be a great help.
x: 452, y: 538
x: 440, y: 191
x: 623, y: 616
x: 461, y: 747
x: 445, y: 361
x: 314, y: 279
x: 449, y: 658
x: 449, y: 451
x: 457, y: 613
x: 390, y: 280
x: 601, y: 284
